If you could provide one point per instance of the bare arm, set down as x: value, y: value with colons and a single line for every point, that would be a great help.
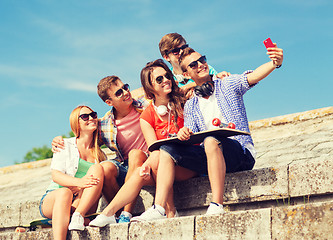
x: 148, y: 132
x: 276, y: 55
x: 150, y: 137
x: 69, y: 181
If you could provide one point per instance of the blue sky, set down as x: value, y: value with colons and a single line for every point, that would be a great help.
x: 53, y: 54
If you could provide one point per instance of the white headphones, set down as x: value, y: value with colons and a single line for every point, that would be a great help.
x: 162, y: 109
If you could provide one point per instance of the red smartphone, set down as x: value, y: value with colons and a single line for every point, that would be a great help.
x: 268, y: 43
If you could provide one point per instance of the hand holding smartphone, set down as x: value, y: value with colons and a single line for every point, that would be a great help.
x: 268, y: 43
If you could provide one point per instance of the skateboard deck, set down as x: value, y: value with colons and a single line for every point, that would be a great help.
x: 33, y: 225
x: 44, y: 223
x: 199, y: 137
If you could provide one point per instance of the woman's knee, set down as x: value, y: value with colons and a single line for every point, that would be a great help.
x: 109, y: 169
x: 96, y: 169
x: 64, y: 194
x: 136, y: 158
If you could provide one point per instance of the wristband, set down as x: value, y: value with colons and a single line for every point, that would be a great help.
x: 278, y: 66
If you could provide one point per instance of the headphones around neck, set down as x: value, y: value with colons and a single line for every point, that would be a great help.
x: 162, y: 109
x: 205, y: 90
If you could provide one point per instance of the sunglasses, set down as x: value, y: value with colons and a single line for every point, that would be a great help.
x: 160, y: 79
x: 120, y: 92
x: 85, y: 116
x: 194, y: 64
x: 176, y: 51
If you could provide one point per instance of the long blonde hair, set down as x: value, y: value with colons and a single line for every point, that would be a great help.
x: 96, y: 151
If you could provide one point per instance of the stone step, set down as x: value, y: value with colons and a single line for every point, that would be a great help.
x: 305, y: 221
x: 258, y: 188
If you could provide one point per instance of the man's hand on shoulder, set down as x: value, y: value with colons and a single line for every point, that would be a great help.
x: 57, y: 144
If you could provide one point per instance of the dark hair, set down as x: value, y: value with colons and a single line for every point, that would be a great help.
x: 176, y: 96
x: 187, y: 51
x: 169, y: 42
x: 104, y: 85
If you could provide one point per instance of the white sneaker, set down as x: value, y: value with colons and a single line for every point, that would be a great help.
x: 154, y: 213
x: 77, y: 222
x: 215, y: 208
x: 102, y: 220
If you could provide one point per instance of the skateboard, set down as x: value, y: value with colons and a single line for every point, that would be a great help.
x: 198, y: 137
x: 33, y: 225
x: 44, y: 223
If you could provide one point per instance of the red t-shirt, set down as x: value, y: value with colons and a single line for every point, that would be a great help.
x: 161, y: 127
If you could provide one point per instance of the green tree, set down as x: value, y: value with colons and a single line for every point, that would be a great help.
x: 38, y: 153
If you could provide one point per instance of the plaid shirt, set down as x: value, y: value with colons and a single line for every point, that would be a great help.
x: 229, y: 94
x: 108, y: 130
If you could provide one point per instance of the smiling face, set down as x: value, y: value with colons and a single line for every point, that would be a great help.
x: 172, y: 58
x: 89, y: 125
x: 77, y: 120
x: 161, y: 81
x: 119, y: 101
x: 195, y: 68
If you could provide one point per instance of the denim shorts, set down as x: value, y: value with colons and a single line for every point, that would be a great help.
x: 41, y: 202
x: 122, y: 168
x: 193, y: 157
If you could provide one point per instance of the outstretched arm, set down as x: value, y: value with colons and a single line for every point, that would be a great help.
x: 276, y: 55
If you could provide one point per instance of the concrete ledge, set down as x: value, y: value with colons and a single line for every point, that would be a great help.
x: 311, y: 177
x: 40, y: 234
x: 248, y: 186
x: 306, y: 221
x: 117, y: 231
x: 13, y: 215
x: 28, y: 165
x: 312, y: 221
x: 253, y: 224
x: 177, y: 228
x: 289, y: 118
x: 193, y: 196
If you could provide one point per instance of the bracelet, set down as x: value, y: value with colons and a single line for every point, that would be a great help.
x: 278, y: 66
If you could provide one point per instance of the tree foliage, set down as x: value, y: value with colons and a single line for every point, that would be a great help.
x: 40, y: 153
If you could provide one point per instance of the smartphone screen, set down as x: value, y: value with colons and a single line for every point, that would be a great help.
x: 268, y: 43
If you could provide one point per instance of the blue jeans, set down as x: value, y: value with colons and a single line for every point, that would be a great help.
x: 122, y: 168
x: 193, y: 157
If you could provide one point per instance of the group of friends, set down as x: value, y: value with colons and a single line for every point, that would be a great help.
x: 182, y: 100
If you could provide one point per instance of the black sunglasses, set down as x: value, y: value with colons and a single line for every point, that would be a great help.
x: 194, y: 64
x: 120, y: 92
x: 85, y: 116
x: 160, y: 79
x: 176, y: 51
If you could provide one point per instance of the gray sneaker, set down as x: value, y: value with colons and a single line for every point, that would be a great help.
x: 154, y: 213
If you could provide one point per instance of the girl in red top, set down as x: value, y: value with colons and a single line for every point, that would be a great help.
x: 161, y: 119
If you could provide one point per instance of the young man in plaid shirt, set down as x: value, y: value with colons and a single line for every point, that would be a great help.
x: 223, y: 99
